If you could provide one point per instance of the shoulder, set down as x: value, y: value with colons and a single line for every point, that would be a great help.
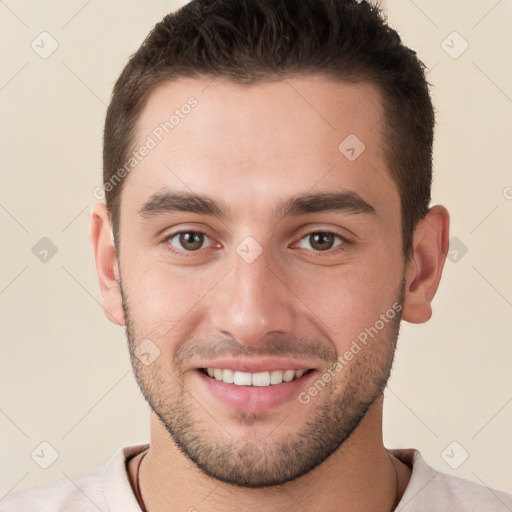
x: 82, y: 491
x: 430, y: 489
x: 103, y: 488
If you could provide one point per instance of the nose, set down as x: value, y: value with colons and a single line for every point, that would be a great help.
x: 253, y: 301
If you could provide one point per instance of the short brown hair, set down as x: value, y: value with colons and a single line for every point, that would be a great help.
x: 251, y: 41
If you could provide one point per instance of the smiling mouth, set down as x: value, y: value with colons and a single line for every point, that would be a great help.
x: 258, y: 379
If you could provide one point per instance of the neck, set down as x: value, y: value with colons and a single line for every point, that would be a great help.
x: 361, y: 476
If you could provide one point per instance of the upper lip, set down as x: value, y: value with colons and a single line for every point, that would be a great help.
x: 255, y: 366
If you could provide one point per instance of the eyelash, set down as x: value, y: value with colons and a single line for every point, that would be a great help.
x: 338, y: 248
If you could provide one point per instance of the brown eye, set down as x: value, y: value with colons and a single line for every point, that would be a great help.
x: 188, y: 240
x: 320, y: 241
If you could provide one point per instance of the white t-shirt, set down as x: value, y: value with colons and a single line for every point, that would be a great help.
x: 108, y: 489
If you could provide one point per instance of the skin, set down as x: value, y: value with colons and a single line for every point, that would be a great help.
x: 252, y: 147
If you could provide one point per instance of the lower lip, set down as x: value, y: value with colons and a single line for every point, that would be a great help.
x: 255, y: 398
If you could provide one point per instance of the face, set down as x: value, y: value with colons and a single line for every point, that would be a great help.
x: 260, y: 241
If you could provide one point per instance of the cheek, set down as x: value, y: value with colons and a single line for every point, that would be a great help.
x: 346, y: 300
x: 162, y: 296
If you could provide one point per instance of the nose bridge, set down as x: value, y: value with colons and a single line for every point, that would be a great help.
x: 252, y: 302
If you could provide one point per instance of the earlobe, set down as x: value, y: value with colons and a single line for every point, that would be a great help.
x: 424, y: 270
x: 107, y: 266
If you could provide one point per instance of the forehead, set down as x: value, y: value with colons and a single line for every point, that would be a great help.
x: 212, y: 136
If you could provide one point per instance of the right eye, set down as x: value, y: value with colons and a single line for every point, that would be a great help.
x: 188, y: 241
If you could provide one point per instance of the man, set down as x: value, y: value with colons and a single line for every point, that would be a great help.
x: 267, y: 169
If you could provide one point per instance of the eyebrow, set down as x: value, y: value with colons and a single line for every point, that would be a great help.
x: 164, y: 202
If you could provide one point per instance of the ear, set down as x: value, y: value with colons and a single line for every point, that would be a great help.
x: 107, y: 266
x: 424, y: 269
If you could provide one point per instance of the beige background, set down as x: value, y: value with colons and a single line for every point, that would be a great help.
x: 65, y: 376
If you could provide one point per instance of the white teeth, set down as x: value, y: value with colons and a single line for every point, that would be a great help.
x: 228, y: 376
x: 242, y: 379
x: 276, y: 377
x: 288, y: 375
x: 260, y: 379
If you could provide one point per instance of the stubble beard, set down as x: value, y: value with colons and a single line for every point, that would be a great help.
x: 332, y: 416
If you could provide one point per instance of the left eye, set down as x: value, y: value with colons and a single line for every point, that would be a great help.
x: 189, y: 240
x: 320, y: 241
